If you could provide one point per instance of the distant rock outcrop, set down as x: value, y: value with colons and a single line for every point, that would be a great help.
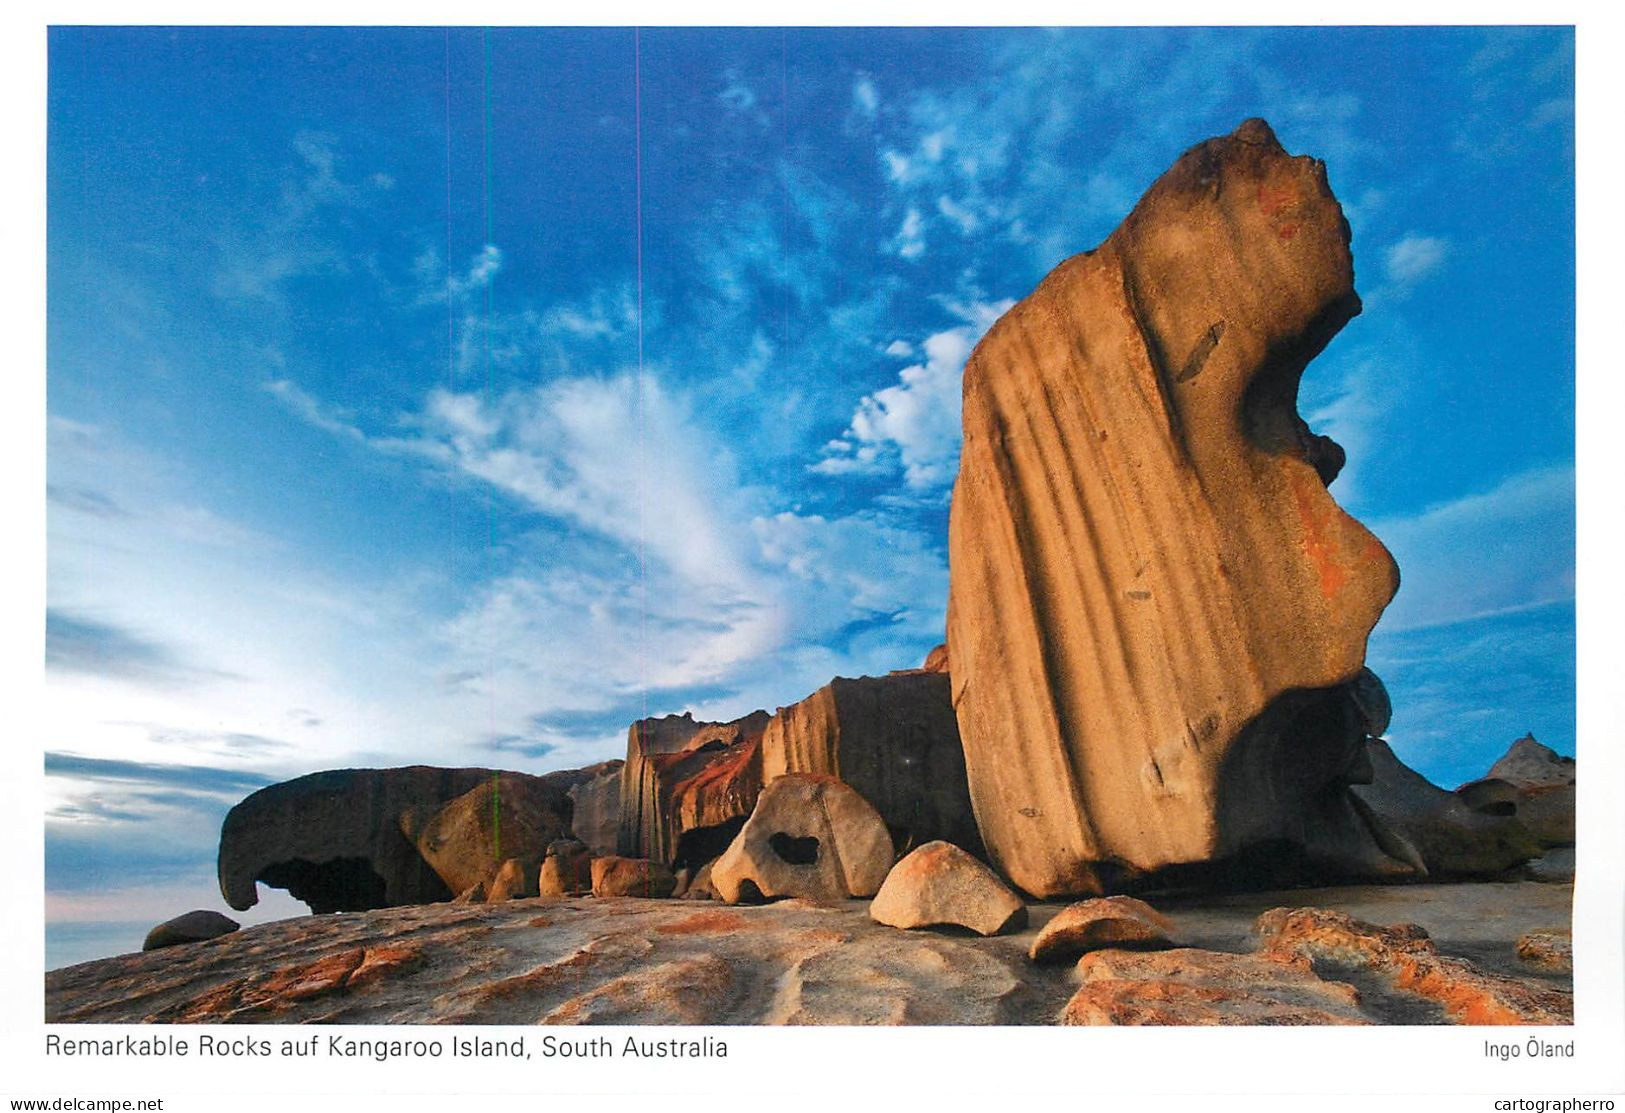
x: 509, y: 816
x: 189, y: 927
x: 595, y: 816
x: 1157, y: 611
x: 809, y: 836
x: 333, y: 839
x: 1449, y: 838
x: 687, y: 786
x: 894, y: 739
x: 1533, y: 782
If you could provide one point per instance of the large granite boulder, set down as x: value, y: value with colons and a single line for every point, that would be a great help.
x: 687, y: 786
x: 189, y: 927
x: 333, y: 839
x: 894, y: 739
x: 595, y: 815
x: 509, y: 816
x: 1447, y: 837
x: 1157, y: 611
x: 939, y: 885
x: 1533, y: 782
x: 809, y: 836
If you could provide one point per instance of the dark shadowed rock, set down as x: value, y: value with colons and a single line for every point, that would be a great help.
x: 510, y: 815
x: 595, y: 816
x: 894, y: 739
x: 1156, y: 607
x: 939, y: 885
x: 1451, y: 839
x: 334, y: 840
x: 190, y: 927
x: 809, y: 836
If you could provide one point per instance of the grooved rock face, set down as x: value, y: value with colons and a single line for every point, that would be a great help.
x: 894, y: 739
x: 685, y: 776
x: 939, y: 884
x: 595, y: 816
x: 507, y: 816
x: 810, y: 836
x: 1144, y: 558
x: 333, y: 839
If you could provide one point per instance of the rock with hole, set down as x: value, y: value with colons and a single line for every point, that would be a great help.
x: 809, y: 836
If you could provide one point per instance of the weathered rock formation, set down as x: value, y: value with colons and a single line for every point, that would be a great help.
x: 1408, y: 958
x: 1207, y: 988
x: 687, y: 786
x: 595, y: 816
x: 1532, y: 782
x: 894, y: 739
x: 940, y: 885
x: 511, y: 881
x: 509, y: 815
x: 189, y: 927
x: 1437, y: 827
x: 1101, y: 922
x: 663, y: 962
x: 567, y: 869
x: 1157, y: 611
x: 809, y: 836
x: 333, y: 839
x: 631, y: 877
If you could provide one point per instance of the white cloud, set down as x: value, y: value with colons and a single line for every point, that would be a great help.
x: 304, y: 406
x: 963, y: 218
x: 1501, y: 550
x: 915, y: 424
x: 1414, y: 258
x: 910, y: 239
x: 901, y: 349
x: 865, y: 100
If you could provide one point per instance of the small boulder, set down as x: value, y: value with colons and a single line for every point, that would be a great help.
x: 631, y: 877
x: 939, y: 884
x: 809, y: 836
x: 1556, y: 866
x: 1551, y: 950
x: 512, y: 880
x: 700, y: 887
x: 191, y: 927
x: 567, y: 869
x: 1101, y: 922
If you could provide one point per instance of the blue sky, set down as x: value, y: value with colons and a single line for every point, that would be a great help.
x: 351, y: 460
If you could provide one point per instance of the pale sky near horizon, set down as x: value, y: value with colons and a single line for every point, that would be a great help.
x: 352, y: 462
